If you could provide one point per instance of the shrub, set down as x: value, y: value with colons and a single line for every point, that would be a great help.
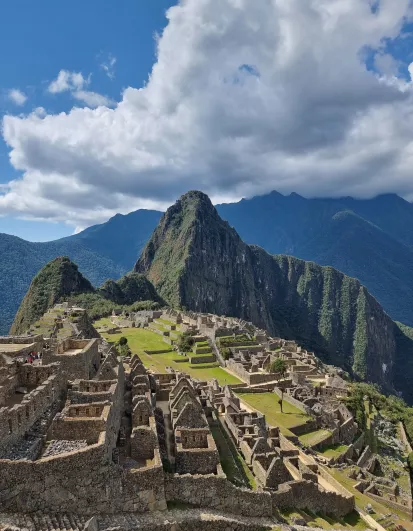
x: 279, y: 366
x: 185, y: 342
x: 226, y: 353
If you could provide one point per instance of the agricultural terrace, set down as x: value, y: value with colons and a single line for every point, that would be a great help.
x: 267, y: 403
x: 141, y: 339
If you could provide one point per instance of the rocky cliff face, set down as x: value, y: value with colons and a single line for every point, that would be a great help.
x: 58, y: 279
x: 196, y: 260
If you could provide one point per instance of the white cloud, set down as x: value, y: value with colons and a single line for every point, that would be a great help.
x: 108, y: 66
x: 67, y: 81
x: 93, y: 99
x: 17, y: 97
x: 245, y: 97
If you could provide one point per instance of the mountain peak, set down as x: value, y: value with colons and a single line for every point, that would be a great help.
x: 58, y: 279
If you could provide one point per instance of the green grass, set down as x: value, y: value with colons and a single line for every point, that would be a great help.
x: 104, y: 321
x: 362, y: 500
x: 314, y: 437
x: 350, y: 521
x: 267, y: 403
x: 140, y: 339
x: 165, y: 322
x: 334, y: 450
x: 233, y: 464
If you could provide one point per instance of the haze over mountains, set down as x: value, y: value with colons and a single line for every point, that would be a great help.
x: 370, y: 240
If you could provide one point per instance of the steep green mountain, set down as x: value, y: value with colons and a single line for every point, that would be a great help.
x: 60, y: 280
x: 102, y: 252
x: 370, y: 239
x: 196, y: 260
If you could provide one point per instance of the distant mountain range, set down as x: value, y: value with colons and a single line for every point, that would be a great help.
x: 196, y: 260
x: 371, y: 240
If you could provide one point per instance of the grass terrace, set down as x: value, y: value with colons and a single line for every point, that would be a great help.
x: 333, y: 450
x: 314, y: 437
x: 104, y: 321
x: 322, y: 521
x: 380, y: 509
x: 141, y: 339
x: 267, y: 403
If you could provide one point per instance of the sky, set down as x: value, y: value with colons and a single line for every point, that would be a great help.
x: 111, y: 106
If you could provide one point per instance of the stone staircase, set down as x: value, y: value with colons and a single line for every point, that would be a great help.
x: 35, y: 522
x: 166, y: 521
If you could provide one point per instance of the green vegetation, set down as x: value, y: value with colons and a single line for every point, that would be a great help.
x: 362, y: 500
x: 350, y: 521
x: 58, y: 279
x: 122, y: 345
x: 333, y: 450
x: 321, y: 308
x: 392, y: 407
x: 225, y: 353
x: 140, y: 339
x: 232, y: 462
x: 229, y: 341
x: 185, y: 342
x: 268, y: 404
x: 314, y: 437
x: 279, y: 366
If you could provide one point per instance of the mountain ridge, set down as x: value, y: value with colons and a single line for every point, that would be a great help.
x: 198, y: 261
x: 293, y: 225
x: 60, y: 280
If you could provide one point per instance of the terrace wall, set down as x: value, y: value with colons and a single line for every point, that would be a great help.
x: 216, y: 492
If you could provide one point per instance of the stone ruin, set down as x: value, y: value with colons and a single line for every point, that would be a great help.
x: 93, y: 434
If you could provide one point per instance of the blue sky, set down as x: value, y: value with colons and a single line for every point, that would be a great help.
x: 244, y: 97
x: 39, y: 38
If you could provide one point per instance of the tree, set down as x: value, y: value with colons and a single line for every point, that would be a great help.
x: 185, y: 342
x: 123, y: 346
x: 279, y: 366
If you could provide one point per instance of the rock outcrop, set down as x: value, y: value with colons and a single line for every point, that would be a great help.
x: 197, y: 261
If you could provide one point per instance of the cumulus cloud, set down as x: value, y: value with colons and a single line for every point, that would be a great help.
x: 67, y: 81
x: 108, y: 66
x: 74, y: 82
x: 93, y: 99
x: 17, y: 97
x: 245, y: 97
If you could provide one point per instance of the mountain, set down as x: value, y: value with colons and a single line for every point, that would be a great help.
x: 196, y: 260
x: 371, y: 240
x: 121, y: 239
x: 105, y: 251
x: 61, y: 280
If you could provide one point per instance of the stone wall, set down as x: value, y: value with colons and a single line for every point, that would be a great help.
x: 82, y: 365
x: 16, y: 420
x: 35, y: 374
x: 293, y: 401
x: 86, y: 426
x: 82, y: 482
x: 194, y: 360
x: 306, y: 495
x: 216, y: 492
